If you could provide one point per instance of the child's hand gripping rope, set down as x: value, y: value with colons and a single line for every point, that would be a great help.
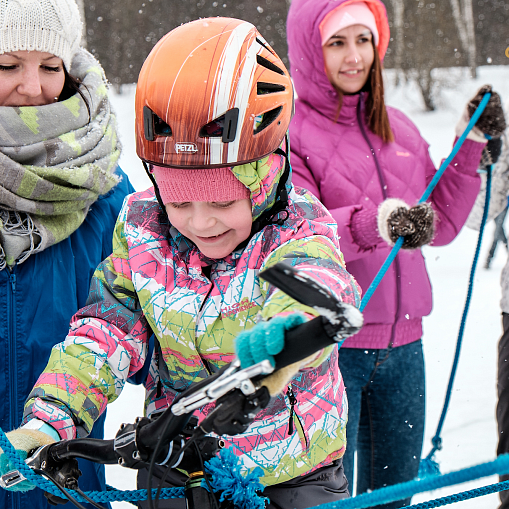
x: 24, y: 441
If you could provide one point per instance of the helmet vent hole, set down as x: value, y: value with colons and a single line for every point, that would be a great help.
x: 269, y: 65
x: 269, y: 88
x: 214, y: 129
x: 161, y: 128
x: 224, y: 127
x: 266, y: 119
x: 268, y: 48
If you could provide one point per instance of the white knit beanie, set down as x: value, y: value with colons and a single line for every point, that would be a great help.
x: 52, y: 26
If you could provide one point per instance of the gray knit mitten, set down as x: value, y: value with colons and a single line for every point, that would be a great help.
x: 491, y: 152
x: 492, y: 120
x: 415, y: 224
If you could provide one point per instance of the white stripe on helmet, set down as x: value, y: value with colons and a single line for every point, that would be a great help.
x: 224, y: 93
x: 242, y: 97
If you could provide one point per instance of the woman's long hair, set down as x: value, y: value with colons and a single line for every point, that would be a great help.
x: 72, y: 87
x: 378, y: 119
x: 376, y: 113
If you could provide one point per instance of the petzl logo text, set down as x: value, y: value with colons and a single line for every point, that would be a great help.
x: 186, y: 147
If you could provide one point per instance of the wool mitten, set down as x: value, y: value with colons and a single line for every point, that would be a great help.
x: 23, y: 440
x: 492, y: 119
x: 491, y: 152
x: 415, y: 224
x: 265, y: 339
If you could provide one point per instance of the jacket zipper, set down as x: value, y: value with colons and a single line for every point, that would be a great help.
x: 13, y: 365
x: 11, y: 311
x: 384, y: 194
x: 204, y: 362
x: 292, y: 399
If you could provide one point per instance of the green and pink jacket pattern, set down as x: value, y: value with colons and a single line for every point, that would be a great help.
x: 154, y: 283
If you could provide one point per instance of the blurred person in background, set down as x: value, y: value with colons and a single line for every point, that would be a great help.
x: 497, y: 209
x: 498, y: 236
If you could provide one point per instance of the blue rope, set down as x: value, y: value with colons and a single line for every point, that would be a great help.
x: 427, y: 464
x: 97, y: 496
x: 498, y: 466
x: 410, y: 488
x: 460, y: 497
x: 431, y: 186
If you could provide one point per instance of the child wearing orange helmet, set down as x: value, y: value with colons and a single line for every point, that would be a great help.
x: 213, y: 105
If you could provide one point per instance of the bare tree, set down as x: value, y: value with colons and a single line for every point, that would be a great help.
x: 464, y: 20
x: 398, y: 9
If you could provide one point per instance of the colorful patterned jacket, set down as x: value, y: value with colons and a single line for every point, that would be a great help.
x: 154, y: 281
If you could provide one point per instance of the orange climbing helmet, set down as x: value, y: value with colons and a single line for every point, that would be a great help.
x: 211, y: 93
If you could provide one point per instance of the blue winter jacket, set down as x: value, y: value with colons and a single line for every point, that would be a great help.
x: 37, y: 301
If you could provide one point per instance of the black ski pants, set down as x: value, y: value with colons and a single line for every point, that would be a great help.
x: 327, y: 484
x: 503, y: 402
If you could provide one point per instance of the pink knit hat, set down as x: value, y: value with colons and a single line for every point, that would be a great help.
x: 342, y: 17
x: 210, y: 184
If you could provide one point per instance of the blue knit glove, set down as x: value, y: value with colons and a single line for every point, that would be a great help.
x: 265, y: 339
x: 23, y: 440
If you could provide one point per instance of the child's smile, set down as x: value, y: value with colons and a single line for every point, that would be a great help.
x: 216, y: 228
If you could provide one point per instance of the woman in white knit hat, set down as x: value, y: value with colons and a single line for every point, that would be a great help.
x: 60, y: 193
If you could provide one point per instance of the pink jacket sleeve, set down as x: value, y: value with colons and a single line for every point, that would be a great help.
x: 455, y: 194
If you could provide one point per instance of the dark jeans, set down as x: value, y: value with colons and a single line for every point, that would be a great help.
x: 503, y: 402
x: 386, y: 410
x: 327, y: 484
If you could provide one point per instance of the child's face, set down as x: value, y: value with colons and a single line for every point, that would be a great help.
x: 216, y: 228
x: 348, y: 56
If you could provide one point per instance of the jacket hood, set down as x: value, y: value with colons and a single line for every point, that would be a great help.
x: 262, y: 178
x: 305, y: 49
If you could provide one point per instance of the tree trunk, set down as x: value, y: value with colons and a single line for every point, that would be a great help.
x: 468, y: 14
x: 425, y: 81
x: 465, y: 24
x: 398, y: 7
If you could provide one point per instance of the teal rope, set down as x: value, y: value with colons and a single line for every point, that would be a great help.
x: 427, y: 464
x: 397, y: 492
x: 97, y: 496
x: 460, y: 497
x: 392, y: 255
x: 410, y: 488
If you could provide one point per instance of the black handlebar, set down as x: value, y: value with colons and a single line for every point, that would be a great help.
x: 86, y: 448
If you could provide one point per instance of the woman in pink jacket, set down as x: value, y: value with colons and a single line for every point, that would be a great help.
x: 369, y: 165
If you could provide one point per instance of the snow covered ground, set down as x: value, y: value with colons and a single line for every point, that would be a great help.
x: 469, y: 435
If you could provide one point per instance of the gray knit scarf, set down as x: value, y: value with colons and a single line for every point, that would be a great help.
x: 54, y: 164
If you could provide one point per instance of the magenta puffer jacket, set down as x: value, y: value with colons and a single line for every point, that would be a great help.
x: 352, y: 171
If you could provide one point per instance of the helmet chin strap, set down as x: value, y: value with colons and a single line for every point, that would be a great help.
x: 281, y: 203
x: 156, y: 189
